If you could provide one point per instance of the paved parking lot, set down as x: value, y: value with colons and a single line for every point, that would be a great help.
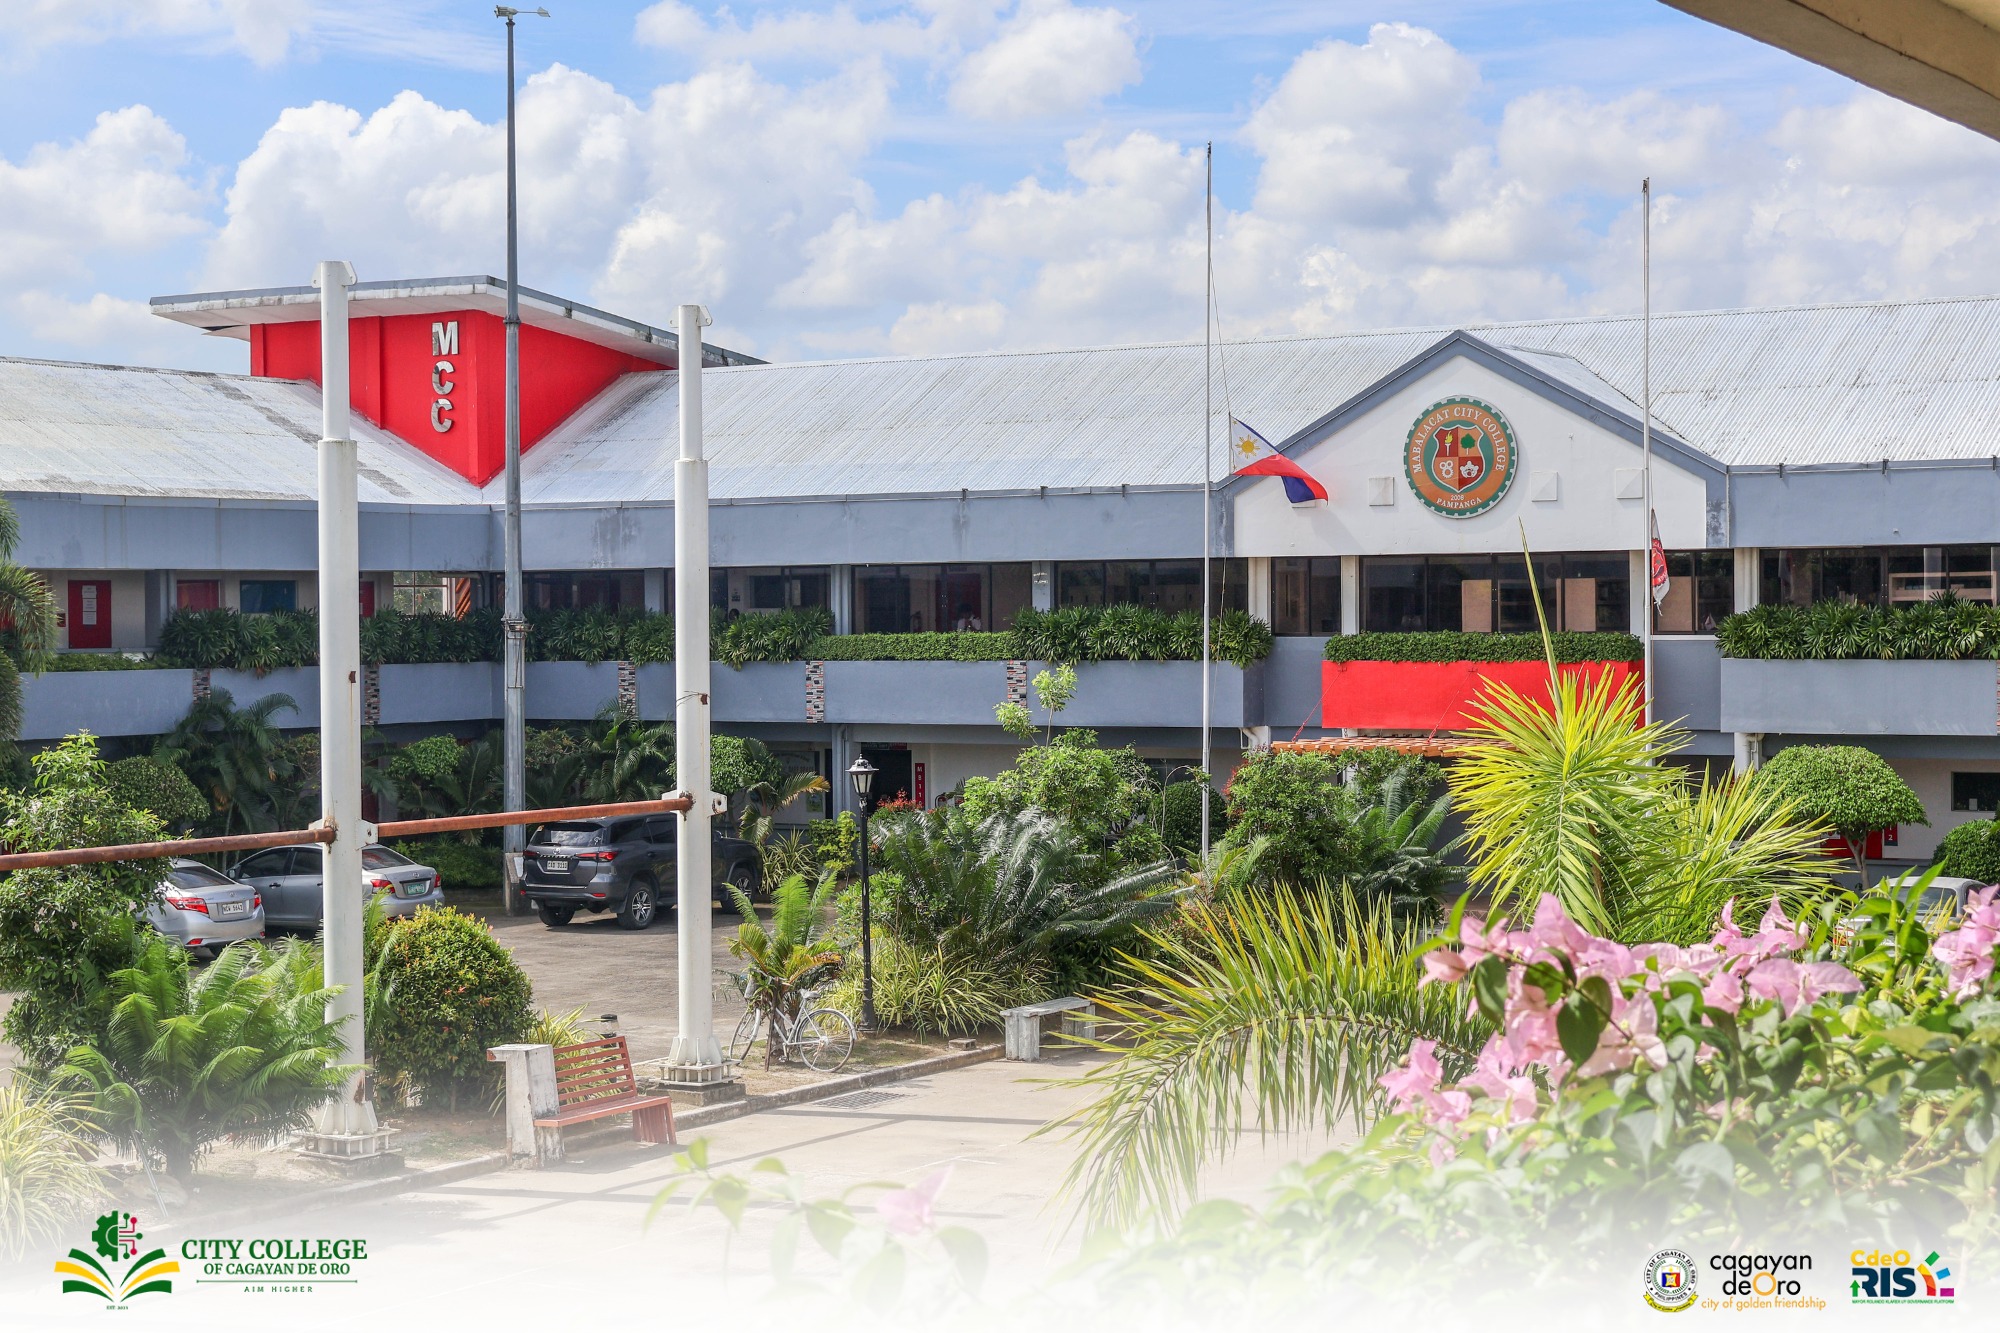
x: 631, y: 973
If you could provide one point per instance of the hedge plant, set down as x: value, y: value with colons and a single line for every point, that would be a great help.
x: 1845, y: 787
x: 1941, y: 629
x: 460, y: 865
x: 153, y: 785
x: 932, y: 646
x: 1972, y: 851
x: 1460, y: 646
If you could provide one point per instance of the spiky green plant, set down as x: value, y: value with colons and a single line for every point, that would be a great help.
x: 46, y: 1179
x: 1277, y: 1013
x: 788, y: 955
x: 234, y: 1050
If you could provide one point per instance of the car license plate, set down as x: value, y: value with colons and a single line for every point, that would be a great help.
x: 231, y: 911
x: 552, y: 865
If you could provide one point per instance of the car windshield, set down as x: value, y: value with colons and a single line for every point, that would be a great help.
x: 198, y: 877
x: 381, y: 858
x: 568, y: 835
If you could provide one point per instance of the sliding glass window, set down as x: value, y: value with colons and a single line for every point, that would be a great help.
x: 1305, y: 595
x: 899, y: 599
x: 1168, y: 585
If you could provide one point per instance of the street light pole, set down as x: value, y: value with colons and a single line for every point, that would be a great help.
x: 862, y: 776
x: 514, y: 665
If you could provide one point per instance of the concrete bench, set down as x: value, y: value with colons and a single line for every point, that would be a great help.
x: 1024, y: 1025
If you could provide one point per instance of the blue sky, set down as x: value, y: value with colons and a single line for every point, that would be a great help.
x: 958, y: 174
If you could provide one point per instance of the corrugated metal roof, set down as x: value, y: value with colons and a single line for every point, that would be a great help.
x: 118, y: 430
x: 1853, y: 383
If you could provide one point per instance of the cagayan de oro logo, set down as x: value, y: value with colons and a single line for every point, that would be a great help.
x: 1671, y: 1277
x: 116, y: 1239
x: 1460, y: 457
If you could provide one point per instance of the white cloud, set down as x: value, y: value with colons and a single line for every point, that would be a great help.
x: 706, y: 192
x: 1050, y: 59
x: 267, y: 31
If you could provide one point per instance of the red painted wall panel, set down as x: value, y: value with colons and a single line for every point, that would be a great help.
x: 1432, y: 696
x: 392, y: 386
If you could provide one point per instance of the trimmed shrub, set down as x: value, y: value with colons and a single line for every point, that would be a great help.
x: 461, y: 865
x: 1972, y: 851
x: 98, y: 662
x: 1135, y: 634
x: 1177, y: 812
x: 145, y: 783
x: 966, y: 646
x: 449, y: 991
x: 1941, y: 629
x: 1298, y: 802
x: 1850, y: 790
x: 1456, y: 646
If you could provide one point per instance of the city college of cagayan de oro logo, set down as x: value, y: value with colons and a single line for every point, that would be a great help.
x: 1460, y: 457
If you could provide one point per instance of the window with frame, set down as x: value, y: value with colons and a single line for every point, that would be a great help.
x: 1585, y: 590
x: 1976, y: 791
x: 1305, y: 595
x: 1701, y: 590
x: 197, y: 594
x: 262, y: 596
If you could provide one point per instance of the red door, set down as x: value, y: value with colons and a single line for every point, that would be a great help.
x: 367, y: 598
x: 89, y: 613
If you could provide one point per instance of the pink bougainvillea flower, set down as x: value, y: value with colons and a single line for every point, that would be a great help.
x: 1494, y: 1076
x: 1442, y: 1151
x: 1555, y: 931
x: 1727, y: 937
x: 1724, y: 991
x: 1530, y: 1034
x: 1446, y: 965
x: 908, y: 1212
x: 1630, y: 1038
x: 1967, y: 952
x: 1817, y: 979
x: 1412, y: 1084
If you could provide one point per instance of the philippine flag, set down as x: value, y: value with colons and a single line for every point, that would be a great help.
x: 1256, y: 456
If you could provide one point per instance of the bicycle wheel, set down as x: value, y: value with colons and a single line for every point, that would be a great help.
x: 824, y: 1039
x: 744, y: 1037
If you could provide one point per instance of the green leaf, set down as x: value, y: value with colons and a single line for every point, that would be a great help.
x: 830, y: 1225
x: 1578, y: 1026
x: 880, y: 1281
x: 967, y: 1251
x: 1489, y: 987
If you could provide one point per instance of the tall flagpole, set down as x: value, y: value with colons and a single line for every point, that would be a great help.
x: 1207, y: 480
x: 1646, y: 417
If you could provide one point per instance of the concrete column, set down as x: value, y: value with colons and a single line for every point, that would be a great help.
x: 1749, y: 576
x: 1042, y: 585
x: 1350, y: 594
x: 530, y: 1092
x: 696, y: 1056
x: 656, y: 590
x: 1749, y: 755
x: 349, y: 1114
x: 1260, y: 589
x: 1641, y: 598
x: 840, y: 588
x: 159, y: 603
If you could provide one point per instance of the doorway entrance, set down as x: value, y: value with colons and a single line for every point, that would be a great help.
x: 895, y: 777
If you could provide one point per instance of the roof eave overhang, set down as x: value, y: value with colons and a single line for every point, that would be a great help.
x: 232, y: 313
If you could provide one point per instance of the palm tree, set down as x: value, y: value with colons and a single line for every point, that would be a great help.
x: 1276, y: 1010
x: 787, y: 956
x: 27, y: 627
x: 234, y: 755
x: 629, y: 760
x: 189, y: 1058
x: 1397, y: 840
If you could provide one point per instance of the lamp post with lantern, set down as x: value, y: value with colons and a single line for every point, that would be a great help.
x: 861, y: 776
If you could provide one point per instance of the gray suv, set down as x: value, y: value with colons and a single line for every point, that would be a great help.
x: 621, y: 865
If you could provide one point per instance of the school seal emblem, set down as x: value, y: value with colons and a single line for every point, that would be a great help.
x: 1460, y: 457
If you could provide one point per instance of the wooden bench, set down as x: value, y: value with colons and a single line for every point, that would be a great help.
x: 594, y: 1080
x: 1024, y: 1025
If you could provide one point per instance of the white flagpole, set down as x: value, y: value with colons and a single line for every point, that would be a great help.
x: 1646, y: 416
x: 1207, y: 480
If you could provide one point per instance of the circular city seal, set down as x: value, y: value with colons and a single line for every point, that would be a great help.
x: 1460, y: 457
x: 1670, y: 1281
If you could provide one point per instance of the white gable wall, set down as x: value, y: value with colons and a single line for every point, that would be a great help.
x: 1586, y: 516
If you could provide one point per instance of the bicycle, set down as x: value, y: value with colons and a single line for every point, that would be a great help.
x: 820, y: 1038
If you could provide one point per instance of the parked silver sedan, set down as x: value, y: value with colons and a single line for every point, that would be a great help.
x: 204, y: 909
x: 290, y: 880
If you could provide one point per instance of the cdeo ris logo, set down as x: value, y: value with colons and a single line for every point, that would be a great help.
x: 1887, y: 1277
x: 116, y: 1238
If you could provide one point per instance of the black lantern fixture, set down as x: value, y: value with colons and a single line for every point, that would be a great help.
x: 861, y: 776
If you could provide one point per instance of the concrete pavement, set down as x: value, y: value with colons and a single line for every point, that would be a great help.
x: 529, y: 1249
